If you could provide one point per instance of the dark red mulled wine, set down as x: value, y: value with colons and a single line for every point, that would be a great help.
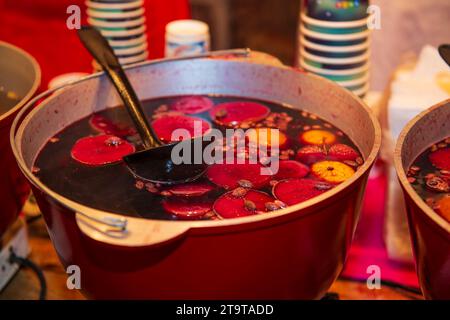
x: 83, y: 161
x: 429, y: 175
x: 8, y: 99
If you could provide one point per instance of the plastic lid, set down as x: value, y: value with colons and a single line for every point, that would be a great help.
x: 187, y: 28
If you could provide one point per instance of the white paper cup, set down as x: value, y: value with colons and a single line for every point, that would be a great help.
x: 356, y: 82
x: 132, y: 50
x: 134, y: 59
x: 358, y: 59
x: 334, y: 37
x: 335, y: 49
x: 115, y: 15
x: 362, y: 91
x: 123, y: 61
x: 345, y: 78
x: 128, y: 42
x: 333, y: 72
x: 122, y: 33
x: 118, y: 5
x: 334, y: 24
x: 116, y: 24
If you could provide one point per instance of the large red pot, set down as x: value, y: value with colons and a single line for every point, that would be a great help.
x: 19, y: 73
x: 430, y: 233
x: 296, y: 252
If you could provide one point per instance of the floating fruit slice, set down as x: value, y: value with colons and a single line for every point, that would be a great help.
x: 101, y: 150
x: 443, y: 207
x: 318, y: 137
x: 190, y: 189
x: 445, y: 174
x: 234, y: 113
x: 443, y: 80
x: 342, y: 152
x: 291, y: 169
x: 332, y: 171
x: 165, y: 126
x: 187, y: 209
x: 228, y: 175
x: 263, y: 136
x: 441, y: 158
x: 229, y: 206
x: 106, y: 126
x: 437, y: 184
x: 310, y: 154
x: 192, y: 104
x: 293, y: 191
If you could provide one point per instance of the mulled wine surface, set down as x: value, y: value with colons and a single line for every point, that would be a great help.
x: 8, y: 99
x: 83, y: 161
x: 429, y: 175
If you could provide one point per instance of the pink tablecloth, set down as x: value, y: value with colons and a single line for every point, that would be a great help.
x: 368, y: 246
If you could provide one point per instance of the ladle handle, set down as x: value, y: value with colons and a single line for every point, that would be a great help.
x: 102, y: 52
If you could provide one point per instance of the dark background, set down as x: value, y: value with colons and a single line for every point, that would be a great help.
x: 265, y: 25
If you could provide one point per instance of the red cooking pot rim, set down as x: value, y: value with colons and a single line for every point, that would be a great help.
x: 183, y: 226
x: 37, y: 80
x: 440, y: 221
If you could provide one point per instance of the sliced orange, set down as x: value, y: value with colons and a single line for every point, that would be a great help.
x: 264, y: 136
x: 332, y: 171
x: 317, y: 137
x: 443, y: 207
x: 443, y: 80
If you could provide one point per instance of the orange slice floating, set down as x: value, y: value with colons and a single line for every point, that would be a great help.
x: 267, y: 136
x: 443, y: 207
x: 317, y: 137
x: 332, y: 171
x: 443, y: 80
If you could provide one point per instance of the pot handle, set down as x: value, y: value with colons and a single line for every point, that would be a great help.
x: 129, y: 231
x: 115, y: 224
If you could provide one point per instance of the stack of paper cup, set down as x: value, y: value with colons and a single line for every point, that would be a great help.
x: 337, y: 50
x: 122, y: 23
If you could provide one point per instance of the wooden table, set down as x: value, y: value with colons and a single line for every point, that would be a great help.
x: 25, y: 284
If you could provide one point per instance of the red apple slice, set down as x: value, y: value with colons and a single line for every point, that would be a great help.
x: 187, y: 208
x: 229, y: 175
x: 101, y: 150
x: 342, y: 152
x: 229, y: 206
x: 165, y: 126
x: 192, y: 104
x: 291, y: 169
x: 232, y: 114
x: 310, y: 154
x: 293, y: 191
x: 441, y: 158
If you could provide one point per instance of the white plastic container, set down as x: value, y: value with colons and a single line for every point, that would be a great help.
x: 186, y: 37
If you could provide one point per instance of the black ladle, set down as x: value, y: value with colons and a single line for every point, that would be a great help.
x: 155, y: 163
x: 444, y: 51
